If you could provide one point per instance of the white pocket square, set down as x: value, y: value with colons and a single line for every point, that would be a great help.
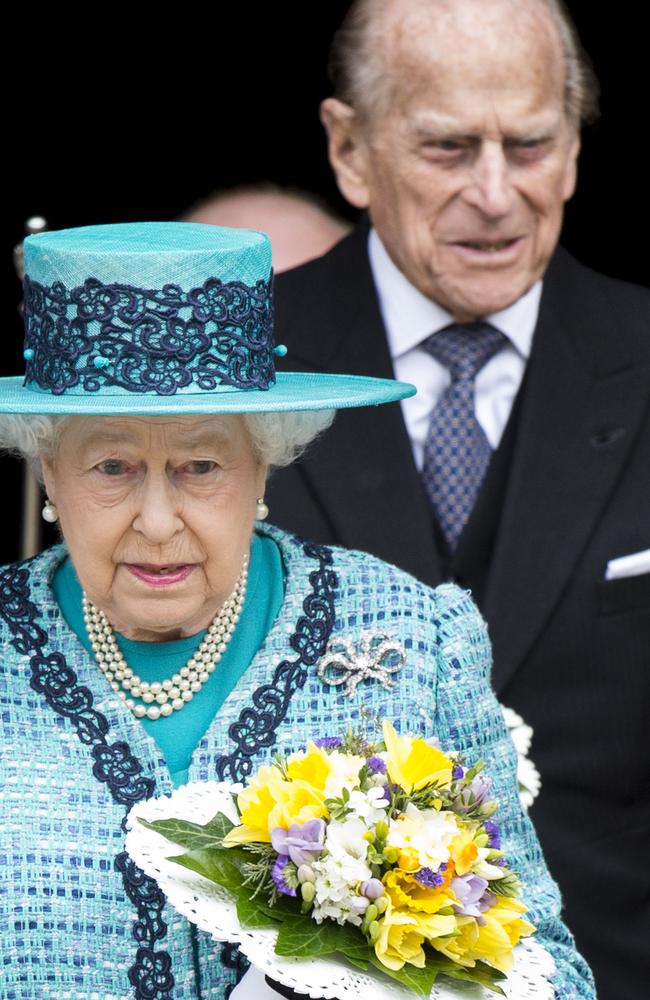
x: 632, y: 565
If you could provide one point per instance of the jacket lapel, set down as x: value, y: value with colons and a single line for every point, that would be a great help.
x: 582, y: 406
x: 364, y: 474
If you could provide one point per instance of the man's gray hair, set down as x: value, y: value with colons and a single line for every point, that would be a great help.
x: 358, y: 77
x: 277, y: 438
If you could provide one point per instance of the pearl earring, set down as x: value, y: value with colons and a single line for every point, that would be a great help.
x: 49, y: 512
x: 262, y: 510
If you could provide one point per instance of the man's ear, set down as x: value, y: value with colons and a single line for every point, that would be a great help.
x: 347, y: 149
x: 571, y: 170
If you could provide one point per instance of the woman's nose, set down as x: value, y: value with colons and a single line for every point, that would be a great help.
x: 158, y: 509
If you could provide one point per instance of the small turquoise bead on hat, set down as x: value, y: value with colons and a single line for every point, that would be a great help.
x: 101, y: 362
x: 28, y: 354
x: 280, y: 351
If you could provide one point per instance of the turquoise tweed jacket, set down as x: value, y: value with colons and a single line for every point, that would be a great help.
x: 77, y: 918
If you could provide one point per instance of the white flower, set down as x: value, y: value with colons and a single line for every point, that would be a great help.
x: 339, y: 871
x: 345, y: 839
x: 520, y: 734
x: 370, y: 806
x: 529, y: 781
x: 528, y: 776
x: 425, y: 834
x: 344, y: 771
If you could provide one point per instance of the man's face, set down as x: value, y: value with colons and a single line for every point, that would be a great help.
x: 467, y: 172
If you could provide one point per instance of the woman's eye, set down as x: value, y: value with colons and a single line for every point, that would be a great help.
x: 201, y: 467
x: 112, y: 467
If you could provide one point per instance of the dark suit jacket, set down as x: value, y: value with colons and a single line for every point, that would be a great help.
x: 571, y: 651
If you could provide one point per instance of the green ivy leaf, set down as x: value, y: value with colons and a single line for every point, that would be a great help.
x: 419, y: 980
x: 253, y: 916
x: 221, y: 866
x: 301, y: 938
x: 192, y: 836
x: 482, y: 974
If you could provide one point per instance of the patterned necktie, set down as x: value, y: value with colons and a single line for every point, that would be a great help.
x: 457, y: 452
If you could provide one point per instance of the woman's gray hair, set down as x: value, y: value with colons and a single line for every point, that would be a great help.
x: 277, y: 438
x: 358, y: 76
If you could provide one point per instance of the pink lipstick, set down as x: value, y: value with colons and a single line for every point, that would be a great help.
x: 160, y: 576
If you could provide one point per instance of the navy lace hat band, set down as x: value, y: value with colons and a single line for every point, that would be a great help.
x: 161, y: 318
x: 118, y: 338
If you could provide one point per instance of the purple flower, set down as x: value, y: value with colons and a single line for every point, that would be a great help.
x: 303, y: 843
x: 474, y: 795
x: 430, y: 879
x: 372, y: 888
x: 494, y: 835
x: 470, y: 891
x: 376, y: 765
x: 458, y: 772
x: 328, y: 742
x: 277, y: 874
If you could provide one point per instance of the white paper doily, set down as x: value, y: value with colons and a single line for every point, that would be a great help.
x: 212, y: 909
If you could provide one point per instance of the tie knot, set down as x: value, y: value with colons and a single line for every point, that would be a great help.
x: 463, y: 350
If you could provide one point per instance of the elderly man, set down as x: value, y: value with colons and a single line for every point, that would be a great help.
x: 522, y: 467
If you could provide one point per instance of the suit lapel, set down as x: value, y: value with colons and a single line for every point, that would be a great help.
x: 364, y: 473
x: 581, y: 411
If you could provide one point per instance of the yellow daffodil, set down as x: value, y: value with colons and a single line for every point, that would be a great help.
x: 413, y: 763
x: 407, y: 893
x: 493, y: 941
x: 269, y: 802
x: 312, y: 767
x: 502, y: 930
x: 464, y: 852
x: 402, y: 934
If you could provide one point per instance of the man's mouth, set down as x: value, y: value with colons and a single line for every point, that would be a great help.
x: 487, y: 246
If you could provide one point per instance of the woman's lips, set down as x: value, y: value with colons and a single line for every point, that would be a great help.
x: 160, y: 576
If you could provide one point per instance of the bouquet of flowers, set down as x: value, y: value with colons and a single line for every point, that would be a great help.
x: 384, y: 852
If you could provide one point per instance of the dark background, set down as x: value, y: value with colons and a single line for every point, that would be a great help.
x: 113, y: 121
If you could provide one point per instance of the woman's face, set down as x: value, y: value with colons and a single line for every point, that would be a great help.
x: 157, y: 514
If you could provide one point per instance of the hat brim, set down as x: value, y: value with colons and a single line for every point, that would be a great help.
x: 292, y: 391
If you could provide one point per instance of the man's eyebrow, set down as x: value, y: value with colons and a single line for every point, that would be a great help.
x: 444, y: 126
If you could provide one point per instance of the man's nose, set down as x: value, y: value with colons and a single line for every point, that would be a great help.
x: 489, y: 188
x: 158, y: 509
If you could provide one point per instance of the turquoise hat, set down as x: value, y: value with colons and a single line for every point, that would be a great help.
x: 160, y: 318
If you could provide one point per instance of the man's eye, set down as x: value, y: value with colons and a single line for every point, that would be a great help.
x: 201, y: 467
x: 443, y: 149
x: 530, y: 148
x: 112, y: 467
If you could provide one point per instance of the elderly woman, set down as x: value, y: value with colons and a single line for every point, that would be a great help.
x: 173, y: 635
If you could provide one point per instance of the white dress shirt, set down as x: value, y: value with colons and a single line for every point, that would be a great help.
x: 410, y: 318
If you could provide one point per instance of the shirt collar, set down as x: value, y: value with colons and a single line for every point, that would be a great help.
x: 410, y: 317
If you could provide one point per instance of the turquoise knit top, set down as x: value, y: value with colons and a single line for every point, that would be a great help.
x: 178, y: 734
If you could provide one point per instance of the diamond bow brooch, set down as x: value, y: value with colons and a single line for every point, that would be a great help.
x: 374, y: 656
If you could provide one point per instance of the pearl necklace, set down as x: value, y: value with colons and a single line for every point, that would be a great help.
x: 161, y: 698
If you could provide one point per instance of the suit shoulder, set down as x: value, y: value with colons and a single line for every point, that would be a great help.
x: 318, y: 284
x: 603, y: 299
